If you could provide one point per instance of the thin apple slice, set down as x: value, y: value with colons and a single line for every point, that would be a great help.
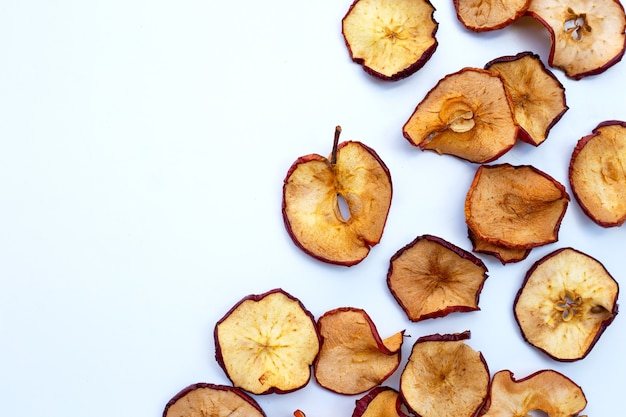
x: 502, y: 253
x: 379, y: 402
x: 546, y: 390
x: 353, y: 358
x: 431, y: 278
x: 588, y: 36
x: 515, y: 206
x: 444, y: 377
x: 538, y: 96
x: 467, y: 114
x: 566, y: 302
x: 311, y: 194
x: 391, y: 39
x: 204, y: 400
x: 267, y: 343
x: 487, y: 15
x: 597, y: 173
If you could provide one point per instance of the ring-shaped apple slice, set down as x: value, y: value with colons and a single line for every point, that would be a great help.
x: 204, y: 399
x: 487, y: 15
x: 566, y: 302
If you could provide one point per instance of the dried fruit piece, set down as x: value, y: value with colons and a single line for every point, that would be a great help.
x: 587, y: 35
x: 391, y: 39
x: 515, y: 206
x: 502, y: 253
x: 485, y: 15
x: 379, y: 402
x: 267, y: 343
x: 538, y: 96
x: 566, y: 302
x: 467, y: 114
x: 597, y: 173
x: 431, y: 277
x: 444, y: 377
x: 211, y: 400
x: 353, y: 358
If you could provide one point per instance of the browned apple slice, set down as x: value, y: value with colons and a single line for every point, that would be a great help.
x: 597, y: 173
x: 204, y: 400
x: 379, y: 402
x: 353, y: 358
x: 566, y: 302
x: 467, y: 114
x: 588, y: 36
x: 391, y: 39
x: 444, y: 377
x: 502, y: 253
x: 267, y: 343
x: 515, y: 206
x: 538, y: 96
x: 486, y: 15
x: 431, y: 278
x: 311, y: 194
x: 548, y: 391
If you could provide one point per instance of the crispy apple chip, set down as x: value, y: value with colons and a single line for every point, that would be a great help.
x: 502, y: 253
x: 379, y: 402
x: 353, y: 358
x: 211, y: 400
x: 597, y: 174
x: 486, y: 15
x: 431, y: 278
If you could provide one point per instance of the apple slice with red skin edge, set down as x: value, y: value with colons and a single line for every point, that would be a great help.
x: 431, y: 277
x: 205, y: 399
x: 444, y: 377
x: 538, y: 96
x: 381, y: 401
x: 588, y: 36
x: 597, y: 173
x: 267, y: 343
x: 488, y: 15
x: 546, y: 390
x: 310, y: 207
x: 353, y: 358
x: 566, y: 302
x: 502, y: 253
x: 468, y: 114
x: 390, y: 39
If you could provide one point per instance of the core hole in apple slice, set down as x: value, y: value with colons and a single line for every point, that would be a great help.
x: 344, y: 209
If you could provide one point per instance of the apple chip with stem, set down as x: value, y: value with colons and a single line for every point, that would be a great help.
x: 588, y: 36
x: 444, y: 377
x: 390, y: 39
x: 565, y: 303
x: 502, y: 253
x: 538, y: 96
x: 487, y: 15
x: 353, y: 358
x: 597, y: 173
x: 379, y: 402
x: 515, y: 206
x: 546, y: 390
x: 267, y: 343
x: 432, y: 278
x: 204, y: 399
x: 468, y: 114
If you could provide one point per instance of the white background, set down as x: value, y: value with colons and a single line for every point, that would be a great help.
x: 143, y: 150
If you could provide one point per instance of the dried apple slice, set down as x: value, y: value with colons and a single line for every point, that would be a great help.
x: 444, y: 377
x: 467, y: 114
x: 431, y: 278
x: 546, y: 390
x: 566, y: 302
x: 391, y: 39
x: 538, y: 96
x: 379, y: 402
x: 353, y: 358
x: 267, y: 343
x: 212, y: 400
x: 515, y: 206
x: 502, y: 253
x: 597, y: 173
x: 486, y: 15
x: 588, y: 36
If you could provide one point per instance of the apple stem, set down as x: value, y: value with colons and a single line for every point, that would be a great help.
x: 333, y: 157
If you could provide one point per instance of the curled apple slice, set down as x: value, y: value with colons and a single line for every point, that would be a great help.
x: 546, y: 390
x: 444, y: 377
x: 502, y: 253
x: 538, y: 96
x: 379, y: 402
x: 353, y: 358
x: 203, y: 399
x: 566, y: 302
x: 467, y: 114
x: 431, y: 278
x: 597, y: 174
x: 267, y: 343
x: 486, y: 15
